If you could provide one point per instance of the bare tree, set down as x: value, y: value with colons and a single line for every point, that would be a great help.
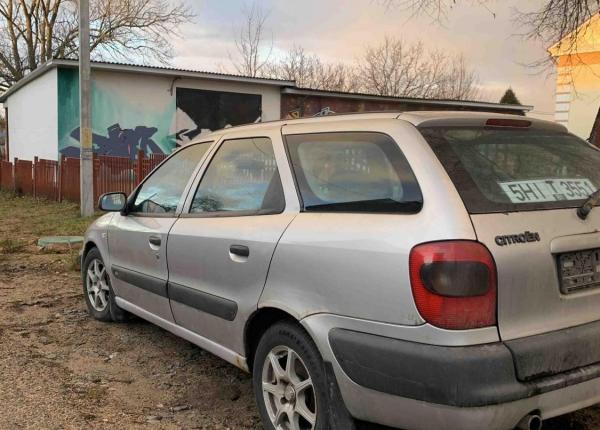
x: 35, y: 31
x: 253, y: 51
x: 309, y: 71
x: 436, y: 9
x: 459, y: 82
x: 555, y: 21
x: 395, y: 68
x: 560, y: 21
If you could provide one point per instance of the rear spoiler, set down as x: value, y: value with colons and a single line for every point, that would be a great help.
x: 494, y: 121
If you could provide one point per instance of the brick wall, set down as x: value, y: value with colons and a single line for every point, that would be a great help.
x: 298, y: 106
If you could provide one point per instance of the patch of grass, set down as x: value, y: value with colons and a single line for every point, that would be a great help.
x: 73, y: 262
x: 11, y: 246
x: 26, y: 217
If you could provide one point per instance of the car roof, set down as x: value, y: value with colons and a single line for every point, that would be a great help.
x: 417, y: 118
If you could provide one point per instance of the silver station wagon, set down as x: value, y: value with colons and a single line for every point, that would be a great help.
x: 417, y: 270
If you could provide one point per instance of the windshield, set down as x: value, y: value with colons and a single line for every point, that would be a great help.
x: 507, y: 170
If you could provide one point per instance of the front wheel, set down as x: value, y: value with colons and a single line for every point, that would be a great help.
x: 99, y: 295
x: 289, y: 380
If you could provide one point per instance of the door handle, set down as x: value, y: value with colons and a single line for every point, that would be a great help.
x: 154, y: 240
x: 239, y: 250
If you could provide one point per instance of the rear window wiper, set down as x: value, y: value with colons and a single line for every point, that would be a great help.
x: 584, y: 210
x: 375, y: 205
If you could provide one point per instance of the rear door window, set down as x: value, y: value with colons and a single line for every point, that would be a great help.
x: 353, y: 172
x: 241, y: 179
x: 506, y: 170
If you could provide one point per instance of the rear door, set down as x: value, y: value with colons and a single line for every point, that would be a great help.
x: 137, y: 241
x: 220, y: 249
x: 522, y: 186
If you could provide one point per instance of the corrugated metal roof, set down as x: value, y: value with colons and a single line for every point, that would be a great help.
x: 145, y: 69
x: 287, y: 87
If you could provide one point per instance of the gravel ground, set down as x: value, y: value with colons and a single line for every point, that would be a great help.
x: 63, y: 370
x: 60, y: 369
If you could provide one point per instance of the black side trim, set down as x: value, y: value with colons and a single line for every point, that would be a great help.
x: 556, y: 352
x: 468, y: 376
x: 140, y: 280
x: 205, y: 302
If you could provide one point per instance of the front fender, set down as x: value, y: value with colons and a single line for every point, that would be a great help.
x: 97, y: 236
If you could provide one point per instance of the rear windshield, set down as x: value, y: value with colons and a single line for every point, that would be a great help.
x: 508, y: 170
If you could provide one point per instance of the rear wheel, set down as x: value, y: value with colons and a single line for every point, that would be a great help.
x: 289, y: 380
x: 99, y: 295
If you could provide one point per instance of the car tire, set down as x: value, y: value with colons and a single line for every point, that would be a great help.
x: 284, y: 391
x: 97, y: 290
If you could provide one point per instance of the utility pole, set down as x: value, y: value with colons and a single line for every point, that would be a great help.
x: 86, y: 168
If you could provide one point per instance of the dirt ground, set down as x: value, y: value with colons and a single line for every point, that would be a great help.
x: 60, y: 369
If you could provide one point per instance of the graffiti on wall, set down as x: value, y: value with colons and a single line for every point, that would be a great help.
x: 127, y: 117
x: 200, y: 111
x: 119, y: 142
x: 123, y: 122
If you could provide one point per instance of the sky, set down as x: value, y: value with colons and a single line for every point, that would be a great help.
x: 339, y: 30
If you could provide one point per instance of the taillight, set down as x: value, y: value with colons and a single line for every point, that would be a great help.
x: 504, y: 122
x: 454, y: 284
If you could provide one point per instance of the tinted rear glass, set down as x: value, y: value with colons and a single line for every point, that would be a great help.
x: 353, y: 172
x: 507, y: 170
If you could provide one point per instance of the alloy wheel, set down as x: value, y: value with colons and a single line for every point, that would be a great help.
x: 288, y: 391
x: 97, y: 285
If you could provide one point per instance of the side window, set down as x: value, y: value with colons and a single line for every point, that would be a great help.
x: 353, y: 172
x: 241, y: 177
x: 162, y: 192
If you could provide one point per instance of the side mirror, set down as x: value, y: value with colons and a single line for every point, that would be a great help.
x: 112, y: 202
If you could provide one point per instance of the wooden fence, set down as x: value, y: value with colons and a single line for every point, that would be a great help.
x: 6, y: 175
x: 59, y: 180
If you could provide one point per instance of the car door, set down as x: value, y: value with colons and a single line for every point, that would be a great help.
x: 137, y: 239
x: 220, y: 249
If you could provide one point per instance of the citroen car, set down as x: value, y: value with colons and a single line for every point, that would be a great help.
x: 416, y: 270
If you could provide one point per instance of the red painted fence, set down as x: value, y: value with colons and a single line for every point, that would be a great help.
x: 59, y: 180
x: 23, y: 177
x: 45, y: 178
x: 69, y: 179
x: 6, y: 175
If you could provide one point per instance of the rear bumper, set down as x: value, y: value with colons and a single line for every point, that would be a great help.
x: 412, y: 385
x: 469, y: 376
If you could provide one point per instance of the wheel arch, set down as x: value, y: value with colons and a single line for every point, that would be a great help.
x: 258, y: 323
x: 87, y: 247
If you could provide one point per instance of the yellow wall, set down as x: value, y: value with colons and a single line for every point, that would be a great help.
x: 578, y: 80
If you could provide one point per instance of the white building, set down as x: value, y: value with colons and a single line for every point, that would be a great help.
x: 133, y: 107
